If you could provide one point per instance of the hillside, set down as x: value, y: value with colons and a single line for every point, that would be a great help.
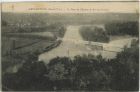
x: 67, y: 18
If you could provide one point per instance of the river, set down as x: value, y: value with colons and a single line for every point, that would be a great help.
x: 71, y: 46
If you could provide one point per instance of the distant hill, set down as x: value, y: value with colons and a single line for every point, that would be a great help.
x: 67, y: 18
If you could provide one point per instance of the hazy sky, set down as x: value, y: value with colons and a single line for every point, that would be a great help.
x: 71, y: 7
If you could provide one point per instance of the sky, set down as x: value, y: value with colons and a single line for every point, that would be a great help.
x: 71, y: 7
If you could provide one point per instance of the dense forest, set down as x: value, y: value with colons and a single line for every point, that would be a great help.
x: 85, y: 72
x: 124, y: 28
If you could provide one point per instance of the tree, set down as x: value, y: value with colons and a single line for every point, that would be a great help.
x: 91, y: 33
x: 125, y: 70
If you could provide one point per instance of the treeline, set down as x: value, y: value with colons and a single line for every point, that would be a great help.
x: 123, y: 28
x: 67, y: 18
x: 57, y: 29
x: 96, y: 34
x: 83, y: 73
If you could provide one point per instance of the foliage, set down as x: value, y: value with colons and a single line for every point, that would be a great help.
x: 126, y: 69
x: 123, y: 28
x: 87, y: 73
x: 96, y: 34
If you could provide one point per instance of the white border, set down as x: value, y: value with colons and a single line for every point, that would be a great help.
x: 61, y: 0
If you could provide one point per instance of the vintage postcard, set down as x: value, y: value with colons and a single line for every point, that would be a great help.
x: 70, y: 46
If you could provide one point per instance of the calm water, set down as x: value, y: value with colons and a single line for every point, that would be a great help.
x: 72, y: 45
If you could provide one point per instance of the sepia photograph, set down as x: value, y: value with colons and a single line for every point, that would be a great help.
x: 70, y: 46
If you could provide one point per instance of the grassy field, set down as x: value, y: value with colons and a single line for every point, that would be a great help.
x: 15, y: 49
x: 37, y: 47
x: 10, y: 43
x: 22, y: 45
